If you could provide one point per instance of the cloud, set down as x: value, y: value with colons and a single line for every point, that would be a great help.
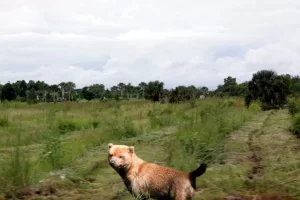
x: 102, y: 41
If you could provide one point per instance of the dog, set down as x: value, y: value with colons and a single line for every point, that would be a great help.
x: 148, y: 180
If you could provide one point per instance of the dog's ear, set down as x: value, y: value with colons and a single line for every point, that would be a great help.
x: 110, y: 145
x: 131, y: 149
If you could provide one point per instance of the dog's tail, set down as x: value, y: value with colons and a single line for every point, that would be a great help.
x: 196, y: 173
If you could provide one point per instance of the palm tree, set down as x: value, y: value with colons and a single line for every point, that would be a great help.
x: 70, y: 86
x: 122, y: 88
x: 154, y: 90
x: 62, y: 87
x: 143, y: 86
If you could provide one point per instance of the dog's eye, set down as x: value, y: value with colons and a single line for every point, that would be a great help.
x: 121, y: 157
x: 110, y: 155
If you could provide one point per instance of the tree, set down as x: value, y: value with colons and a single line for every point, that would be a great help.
x: 54, y: 88
x: 129, y: 90
x: 230, y: 86
x: 295, y: 85
x: 182, y: 94
x: 107, y: 94
x: 87, y: 94
x: 8, y: 92
x: 70, y: 86
x: 269, y: 88
x: 30, y: 85
x: 203, y: 91
x: 62, y: 88
x: 98, y: 90
x: 121, y: 87
x: 143, y: 86
x: 48, y: 97
x: 115, y: 92
x: 1, y: 86
x: 23, y: 88
x: 242, y: 89
x: 154, y: 90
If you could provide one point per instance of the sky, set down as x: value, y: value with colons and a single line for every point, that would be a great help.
x: 178, y: 42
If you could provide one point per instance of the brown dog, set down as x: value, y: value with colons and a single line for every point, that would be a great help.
x: 146, y: 180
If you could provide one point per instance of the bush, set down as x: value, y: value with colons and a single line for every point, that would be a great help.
x: 229, y: 102
x: 254, y: 106
x: 95, y: 124
x: 4, y: 121
x: 296, y: 124
x: 271, y: 89
x: 32, y: 101
x: 65, y: 126
x: 53, y: 153
x: 294, y: 107
x: 74, y: 124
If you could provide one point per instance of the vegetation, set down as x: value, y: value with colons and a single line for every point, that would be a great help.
x: 269, y: 88
x: 266, y: 86
x: 59, y: 149
x: 294, y: 110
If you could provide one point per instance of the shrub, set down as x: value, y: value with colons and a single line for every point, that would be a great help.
x: 95, y: 123
x: 270, y: 88
x: 4, y: 121
x: 65, y: 126
x: 229, y: 102
x: 296, y: 124
x: 294, y: 107
x: 53, y: 153
x: 31, y: 101
x: 254, y: 106
x: 74, y: 124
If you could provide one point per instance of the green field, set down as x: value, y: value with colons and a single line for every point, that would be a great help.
x: 59, y: 151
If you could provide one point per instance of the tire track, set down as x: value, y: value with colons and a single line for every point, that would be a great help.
x: 256, y: 151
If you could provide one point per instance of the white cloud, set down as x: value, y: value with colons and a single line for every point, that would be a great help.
x: 179, y: 42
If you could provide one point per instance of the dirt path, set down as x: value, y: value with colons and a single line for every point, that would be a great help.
x: 262, y: 161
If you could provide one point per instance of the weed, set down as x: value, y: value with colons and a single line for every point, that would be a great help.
x: 52, y: 152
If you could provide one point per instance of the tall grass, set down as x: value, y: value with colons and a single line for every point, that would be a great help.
x: 200, y: 137
x: 59, y: 134
x: 15, y: 170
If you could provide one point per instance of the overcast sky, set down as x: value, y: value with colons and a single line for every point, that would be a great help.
x: 179, y: 42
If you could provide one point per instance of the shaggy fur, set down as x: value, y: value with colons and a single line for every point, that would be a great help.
x: 151, y: 180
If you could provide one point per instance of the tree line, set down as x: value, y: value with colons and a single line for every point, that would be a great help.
x: 39, y: 91
x: 266, y: 86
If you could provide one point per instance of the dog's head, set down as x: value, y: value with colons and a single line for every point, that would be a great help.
x: 120, y: 156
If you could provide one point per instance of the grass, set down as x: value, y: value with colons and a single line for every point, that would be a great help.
x: 61, y: 148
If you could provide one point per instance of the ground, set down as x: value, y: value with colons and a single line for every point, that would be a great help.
x: 260, y: 160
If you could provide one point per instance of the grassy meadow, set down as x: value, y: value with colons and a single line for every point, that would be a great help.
x: 59, y: 151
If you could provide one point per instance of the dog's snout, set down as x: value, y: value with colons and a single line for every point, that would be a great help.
x: 112, y: 162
